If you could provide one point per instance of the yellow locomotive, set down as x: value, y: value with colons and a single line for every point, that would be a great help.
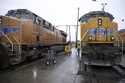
x: 25, y: 35
x: 99, y: 39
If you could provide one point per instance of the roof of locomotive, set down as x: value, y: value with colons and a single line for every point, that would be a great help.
x: 85, y: 17
x: 22, y: 13
x: 25, y: 14
x: 122, y: 31
x: 63, y: 33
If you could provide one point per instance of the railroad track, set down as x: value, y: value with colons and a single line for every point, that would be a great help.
x: 14, y: 67
x: 120, y: 70
x: 105, y: 72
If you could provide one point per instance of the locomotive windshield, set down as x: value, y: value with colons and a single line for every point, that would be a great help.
x: 89, y: 15
x: 25, y: 14
x: 21, y: 13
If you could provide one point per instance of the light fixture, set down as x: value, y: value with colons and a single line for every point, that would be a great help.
x: 90, y: 37
x: 99, y: 22
x: 112, y: 38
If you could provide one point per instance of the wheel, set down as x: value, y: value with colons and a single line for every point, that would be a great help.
x: 85, y: 67
x: 82, y: 67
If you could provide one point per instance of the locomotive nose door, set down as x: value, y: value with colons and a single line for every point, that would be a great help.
x: 100, y: 34
x: 92, y: 34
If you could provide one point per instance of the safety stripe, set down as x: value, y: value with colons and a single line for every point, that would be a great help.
x: 7, y: 30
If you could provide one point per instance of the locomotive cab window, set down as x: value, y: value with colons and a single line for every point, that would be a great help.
x: 44, y: 22
x: 53, y: 28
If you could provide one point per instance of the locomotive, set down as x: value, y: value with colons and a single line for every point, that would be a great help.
x: 99, y: 40
x: 25, y: 35
x: 122, y: 34
x: 122, y: 40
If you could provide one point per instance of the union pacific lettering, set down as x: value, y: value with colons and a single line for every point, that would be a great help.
x: 7, y: 30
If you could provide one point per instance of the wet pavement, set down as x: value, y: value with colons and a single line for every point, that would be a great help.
x: 123, y: 60
x: 65, y: 71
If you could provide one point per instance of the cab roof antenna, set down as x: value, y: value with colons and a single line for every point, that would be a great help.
x: 103, y: 6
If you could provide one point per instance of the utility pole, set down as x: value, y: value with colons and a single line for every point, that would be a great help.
x: 66, y: 29
x: 77, y: 28
x: 69, y: 34
x: 69, y: 38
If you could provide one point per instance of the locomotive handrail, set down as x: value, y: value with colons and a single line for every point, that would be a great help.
x: 16, y: 40
x: 122, y: 47
x: 8, y: 39
x: 122, y: 42
x: 118, y: 36
x: 18, y: 45
x: 84, y: 35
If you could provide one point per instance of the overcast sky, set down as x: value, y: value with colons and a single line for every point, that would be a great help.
x: 63, y: 12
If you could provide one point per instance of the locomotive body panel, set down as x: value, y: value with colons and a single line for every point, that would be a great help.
x: 97, y: 33
x: 26, y: 32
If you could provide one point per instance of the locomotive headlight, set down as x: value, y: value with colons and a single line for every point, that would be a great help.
x: 99, y: 22
x: 112, y: 38
x: 90, y: 37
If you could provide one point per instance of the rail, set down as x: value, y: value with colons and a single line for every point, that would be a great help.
x: 120, y: 70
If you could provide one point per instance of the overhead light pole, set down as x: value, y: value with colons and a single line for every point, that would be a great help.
x: 77, y: 28
x: 122, y: 42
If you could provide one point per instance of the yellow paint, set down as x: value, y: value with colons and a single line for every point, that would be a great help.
x: 92, y: 24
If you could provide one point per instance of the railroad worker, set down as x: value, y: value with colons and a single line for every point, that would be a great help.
x: 67, y: 50
x: 78, y: 49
